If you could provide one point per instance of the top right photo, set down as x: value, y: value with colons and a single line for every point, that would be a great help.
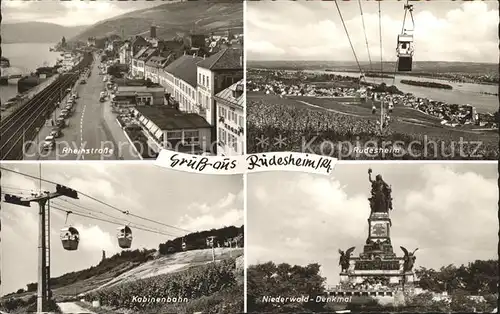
x: 373, y: 80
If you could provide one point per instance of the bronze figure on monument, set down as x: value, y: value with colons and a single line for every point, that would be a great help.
x: 409, y: 259
x: 345, y: 258
x: 381, y: 200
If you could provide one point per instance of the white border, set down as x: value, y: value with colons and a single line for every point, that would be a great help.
x: 245, y: 176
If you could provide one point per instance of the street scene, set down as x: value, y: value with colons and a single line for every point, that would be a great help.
x: 111, y: 237
x: 121, y: 80
x: 370, y: 80
x: 394, y: 238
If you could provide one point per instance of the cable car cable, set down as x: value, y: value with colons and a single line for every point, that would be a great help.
x: 366, y: 38
x: 94, y: 211
x: 349, y: 38
x: 110, y: 221
x: 93, y: 198
x: 380, y: 35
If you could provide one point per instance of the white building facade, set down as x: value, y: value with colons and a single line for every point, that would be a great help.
x: 230, y: 120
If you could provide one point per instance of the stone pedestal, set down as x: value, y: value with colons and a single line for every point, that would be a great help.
x: 377, y: 264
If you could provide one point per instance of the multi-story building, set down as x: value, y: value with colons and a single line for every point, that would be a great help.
x: 214, y: 74
x: 124, y: 53
x: 153, y: 67
x: 179, y: 79
x: 230, y: 120
x: 139, y: 61
x: 136, y: 69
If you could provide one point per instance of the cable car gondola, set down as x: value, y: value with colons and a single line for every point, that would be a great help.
x: 405, y: 52
x: 70, y: 237
x: 405, y: 46
x: 124, y: 236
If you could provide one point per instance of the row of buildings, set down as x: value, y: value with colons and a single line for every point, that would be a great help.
x: 194, y: 93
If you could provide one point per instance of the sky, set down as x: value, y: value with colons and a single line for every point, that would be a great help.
x: 189, y: 201
x: 312, y: 30
x: 68, y: 13
x: 448, y: 211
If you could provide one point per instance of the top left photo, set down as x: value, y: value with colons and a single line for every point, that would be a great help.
x: 121, y: 80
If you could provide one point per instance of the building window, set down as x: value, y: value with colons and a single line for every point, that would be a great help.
x: 241, y: 121
x: 199, y: 78
x: 235, y: 143
x: 174, y: 135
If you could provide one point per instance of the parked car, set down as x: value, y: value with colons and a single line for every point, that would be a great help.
x: 64, y: 113
x: 49, y: 142
x: 56, y: 132
x: 60, y: 122
x: 83, y: 81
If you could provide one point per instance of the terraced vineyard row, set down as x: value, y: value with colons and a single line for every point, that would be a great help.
x: 153, y: 292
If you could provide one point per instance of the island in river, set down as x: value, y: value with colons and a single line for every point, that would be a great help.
x: 427, y: 84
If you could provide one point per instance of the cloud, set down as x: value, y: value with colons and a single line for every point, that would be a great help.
x: 449, y: 213
x: 444, y: 31
x: 226, y: 211
x: 67, y: 13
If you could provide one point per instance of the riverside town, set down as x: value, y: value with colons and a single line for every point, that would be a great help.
x: 133, y: 89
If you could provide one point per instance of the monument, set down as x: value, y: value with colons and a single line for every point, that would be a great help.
x: 377, y: 271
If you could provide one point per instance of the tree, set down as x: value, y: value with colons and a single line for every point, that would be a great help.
x: 63, y: 42
x: 284, y: 280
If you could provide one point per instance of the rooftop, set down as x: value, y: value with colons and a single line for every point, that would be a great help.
x: 228, y: 94
x: 227, y: 59
x: 172, y: 119
x: 147, y: 54
x: 157, y: 62
x: 140, y: 52
x: 185, y: 68
x: 139, y: 88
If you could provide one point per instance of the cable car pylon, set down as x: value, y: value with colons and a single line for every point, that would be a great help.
x: 41, y: 199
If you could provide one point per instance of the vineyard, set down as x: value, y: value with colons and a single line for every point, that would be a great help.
x: 198, y: 285
x: 299, y: 126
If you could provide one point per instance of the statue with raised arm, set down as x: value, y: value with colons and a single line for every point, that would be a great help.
x: 409, y: 259
x: 344, y: 258
x: 380, y: 200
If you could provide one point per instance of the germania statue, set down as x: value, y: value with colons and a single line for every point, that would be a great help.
x: 381, y: 200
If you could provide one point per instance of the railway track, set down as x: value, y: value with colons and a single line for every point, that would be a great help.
x: 21, y: 126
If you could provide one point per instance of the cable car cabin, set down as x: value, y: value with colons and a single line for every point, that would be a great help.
x: 405, y: 52
x: 124, y: 236
x: 70, y: 238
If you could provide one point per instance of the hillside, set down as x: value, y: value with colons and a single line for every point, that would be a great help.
x: 176, y: 262
x: 37, y: 32
x: 171, y: 19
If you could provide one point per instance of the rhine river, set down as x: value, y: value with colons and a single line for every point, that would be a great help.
x: 462, y: 93
x: 25, y: 58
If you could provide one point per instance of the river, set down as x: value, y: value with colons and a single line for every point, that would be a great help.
x: 462, y: 93
x: 25, y: 58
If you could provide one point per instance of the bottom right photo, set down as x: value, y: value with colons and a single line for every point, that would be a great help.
x: 377, y: 237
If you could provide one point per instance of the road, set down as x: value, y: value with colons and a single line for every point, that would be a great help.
x: 72, y: 308
x: 92, y: 132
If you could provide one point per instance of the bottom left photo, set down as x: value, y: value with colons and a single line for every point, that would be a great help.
x: 109, y: 238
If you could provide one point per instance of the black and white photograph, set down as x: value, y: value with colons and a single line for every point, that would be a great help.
x: 120, y: 238
x: 121, y: 80
x: 373, y: 80
x: 375, y: 237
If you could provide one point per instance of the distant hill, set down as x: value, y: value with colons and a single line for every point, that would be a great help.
x: 171, y: 19
x: 37, y: 32
x: 388, y: 67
